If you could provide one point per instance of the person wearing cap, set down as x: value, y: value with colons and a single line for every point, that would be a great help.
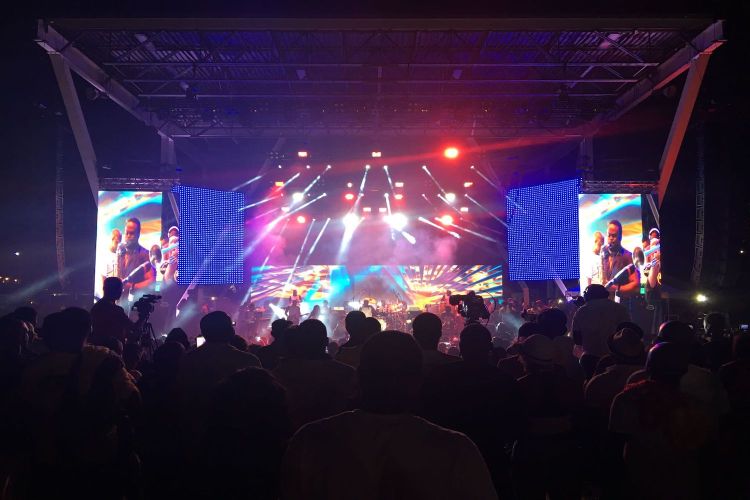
x: 663, y: 429
x: 545, y: 456
x: 629, y: 355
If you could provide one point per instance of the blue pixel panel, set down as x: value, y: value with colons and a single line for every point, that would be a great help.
x: 211, y: 236
x: 543, y: 231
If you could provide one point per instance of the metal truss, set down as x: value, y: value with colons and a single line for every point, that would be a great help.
x: 136, y: 184
x: 643, y: 187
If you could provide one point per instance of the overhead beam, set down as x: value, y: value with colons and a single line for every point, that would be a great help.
x: 77, y: 122
x: 464, y: 82
x: 445, y: 24
x: 705, y: 43
x: 263, y: 64
x: 681, y: 121
x: 54, y: 43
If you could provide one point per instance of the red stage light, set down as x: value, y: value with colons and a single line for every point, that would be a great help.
x: 349, y: 196
x: 301, y: 219
x: 451, y: 153
x: 446, y: 220
x: 398, y: 196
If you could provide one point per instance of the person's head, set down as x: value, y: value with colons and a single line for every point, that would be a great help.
x: 310, y: 340
x: 645, y: 243
x: 115, y: 240
x: 538, y: 353
x: 279, y: 327
x: 676, y: 332
x: 654, y: 233
x: 112, y: 288
x: 390, y: 372
x: 154, y: 255
x: 366, y: 302
x: 527, y: 330
x: 614, y: 233
x: 27, y: 314
x: 627, y: 347
x: 598, y: 242
x: 178, y: 335
x: 552, y: 323
x: 372, y: 326
x: 715, y: 324
x: 595, y: 292
x: 216, y: 327
x: 667, y: 362
x: 325, y: 303
x: 173, y: 231
x: 238, y: 343
x: 67, y: 330
x: 631, y: 326
x: 427, y: 329
x: 475, y: 343
x: 132, y: 232
x: 131, y: 355
x: 355, y: 323
x: 167, y: 358
x: 315, y: 310
x: 12, y: 336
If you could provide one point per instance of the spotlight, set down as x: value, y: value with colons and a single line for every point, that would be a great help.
x: 377, y: 154
x: 451, y: 197
x: 701, y: 298
x: 284, y: 209
x: 307, y: 167
x: 349, y: 196
x: 367, y: 209
x: 279, y: 184
x: 302, y: 154
x: 328, y: 167
x: 350, y: 221
x: 301, y: 219
x: 446, y: 220
x: 367, y: 167
x: 280, y: 166
x: 397, y: 221
x: 468, y: 184
x: 297, y: 197
x: 398, y: 196
x: 451, y: 153
x: 464, y: 209
x: 349, y: 184
x: 382, y: 210
x: 398, y: 184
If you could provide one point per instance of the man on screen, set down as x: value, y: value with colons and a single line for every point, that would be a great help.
x: 133, y: 265
x: 595, y: 271
x: 615, y: 259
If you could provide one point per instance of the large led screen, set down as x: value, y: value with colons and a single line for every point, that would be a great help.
x: 543, y: 231
x: 129, y: 226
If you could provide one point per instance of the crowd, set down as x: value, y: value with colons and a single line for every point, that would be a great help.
x: 90, y: 410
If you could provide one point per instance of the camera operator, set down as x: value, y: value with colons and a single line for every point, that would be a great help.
x: 471, y: 307
x: 108, y: 320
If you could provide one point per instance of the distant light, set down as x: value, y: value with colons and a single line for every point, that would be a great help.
x: 350, y: 220
x: 349, y: 184
x: 472, y: 167
x: 446, y: 220
x: 382, y: 210
x: 742, y: 251
x: 451, y: 153
x: 464, y: 209
x: 701, y: 298
x: 560, y: 301
x: 302, y: 154
x: 284, y: 209
x: 398, y: 184
x: 297, y: 197
x: 349, y: 196
x: 468, y: 184
x: 279, y: 184
x: 397, y: 221
x: 408, y: 321
x: 307, y: 167
x: 213, y: 298
x: 18, y: 254
x: 353, y: 304
x: 280, y: 166
x: 367, y: 167
x: 377, y: 154
x: 301, y: 219
x: 328, y: 167
x: 367, y: 209
x: 451, y: 197
x: 398, y: 196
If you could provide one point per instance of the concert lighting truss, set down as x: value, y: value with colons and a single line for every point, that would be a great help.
x: 484, y: 78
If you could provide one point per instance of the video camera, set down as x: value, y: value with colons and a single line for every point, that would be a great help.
x: 145, y: 305
x: 470, y: 306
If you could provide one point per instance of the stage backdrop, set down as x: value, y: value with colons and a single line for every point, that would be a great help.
x: 595, y: 212
x: 114, y: 209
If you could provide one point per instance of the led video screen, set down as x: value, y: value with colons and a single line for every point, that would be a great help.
x: 543, y: 231
x: 129, y: 228
x: 211, y: 244
x: 417, y: 286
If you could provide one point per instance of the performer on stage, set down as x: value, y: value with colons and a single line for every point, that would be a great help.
x: 293, y: 312
x: 367, y: 309
x: 133, y: 264
x: 615, y: 258
x: 594, y: 275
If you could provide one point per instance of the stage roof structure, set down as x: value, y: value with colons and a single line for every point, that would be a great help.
x: 480, y: 78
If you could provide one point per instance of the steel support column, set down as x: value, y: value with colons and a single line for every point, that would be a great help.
x: 680, y: 122
x: 77, y: 121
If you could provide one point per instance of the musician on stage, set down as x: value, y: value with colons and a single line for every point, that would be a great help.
x: 367, y: 309
x: 615, y: 258
x: 133, y: 265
